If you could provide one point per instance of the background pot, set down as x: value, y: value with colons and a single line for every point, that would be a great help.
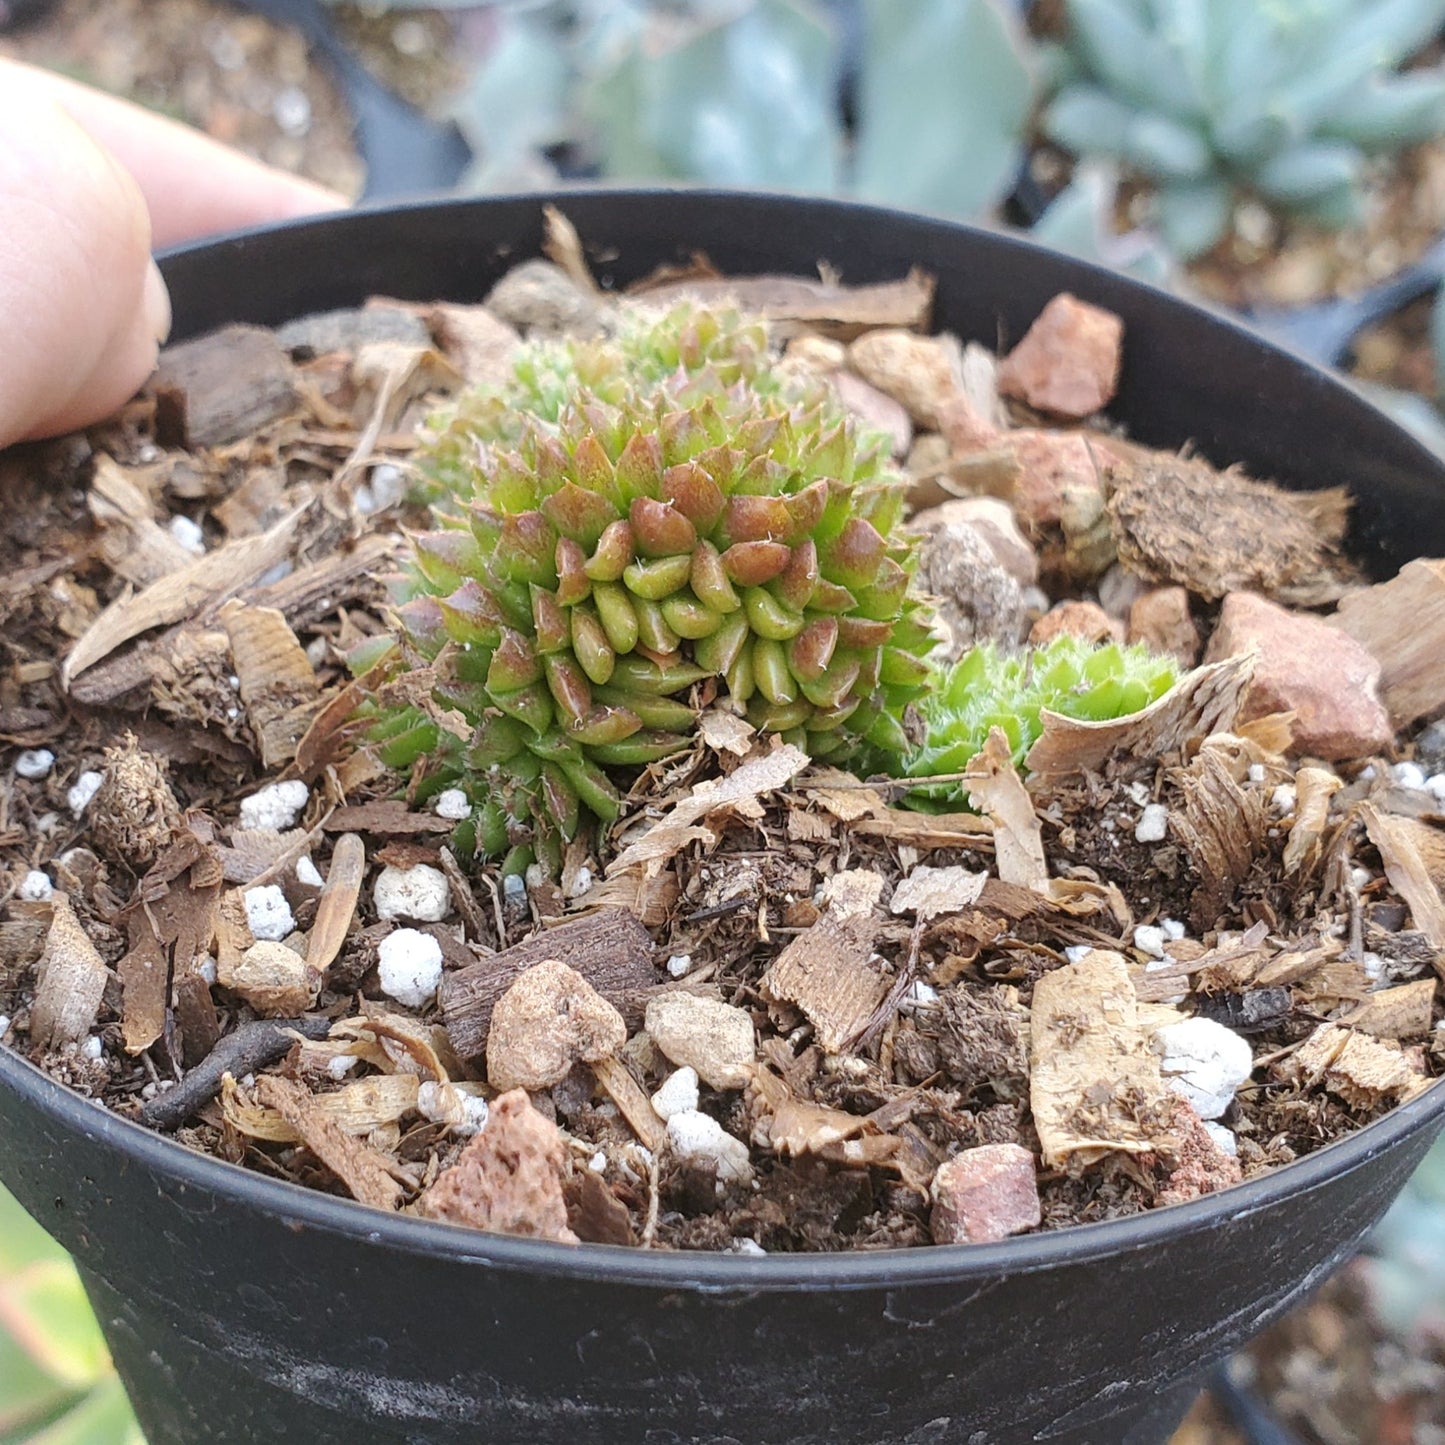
x: 240, y: 1309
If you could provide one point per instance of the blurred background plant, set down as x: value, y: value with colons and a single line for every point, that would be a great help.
x: 57, y: 1384
x: 1210, y: 101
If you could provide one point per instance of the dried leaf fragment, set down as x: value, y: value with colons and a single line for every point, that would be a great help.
x: 1202, y: 702
x: 277, y: 683
x: 71, y: 979
x: 336, y: 906
x: 993, y: 784
x: 181, y: 594
x: 1314, y: 787
x: 365, y: 1173
x: 1406, y: 846
x: 1095, y: 1084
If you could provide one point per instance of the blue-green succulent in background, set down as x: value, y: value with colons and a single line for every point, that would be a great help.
x: 747, y: 93
x: 1280, y: 99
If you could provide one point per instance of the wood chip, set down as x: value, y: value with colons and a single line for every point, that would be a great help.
x: 71, y: 979
x: 1314, y: 787
x: 615, y: 1079
x: 170, y: 923
x: 1094, y: 1082
x: 994, y: 785
x: 1363, y: 1071
x: 390, y: 816
x: 183, y: 594
x: 1406, y: 847
x: 336, y: 906
x: 827, y: 972
x: 1403, y: 1012
x: 932, y: 892
x: 276, y: 681
x: 726, y: 732
x: 1402, y: 624
x: 135, y: 546
x: 1202, y: 702
x: 366, y: 1174
x: 790, y: 1126
x: 610, y: 949
x: 1179, y: 520
x: 853, y: 893
x: 1224, y: 828
x: 221, y: 387
x: 838, y: 311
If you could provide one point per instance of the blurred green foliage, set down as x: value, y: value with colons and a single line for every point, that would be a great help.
x: 747, y: 93
x: 57, y: 1384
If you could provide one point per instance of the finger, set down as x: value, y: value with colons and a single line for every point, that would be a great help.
x: 81, y: 306
x: 193, y: 185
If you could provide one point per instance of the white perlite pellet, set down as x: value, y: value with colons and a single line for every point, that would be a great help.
x: 695, y: 1135
x: 1408, y: 775
x: 188, y: 534
x: 409, y: 964
x: 453, y: 804
x: 581, y: 882
x: 1283, y: 799
x: 678, y: 1093
x: 5, y: 1029
x: 420, y: 892
x: 1434, y: 785
x: 1222, y: 1137
x: 36, y: 887
x: 338, y: 1066
x: 1174, y: 930
x: 1256, y: 772
x: 277, y: 805
x: 269, y: 914
x: 1204, y: 1062
x: 432, y: 1103
x: 1078, y: 952
x: 1153, y: 824
x: 92, y: 1046
x: 679, y: 964
x: 34, y: 763
x: 1149, y: 939
x: 86, y: 786
x: 308, y: 873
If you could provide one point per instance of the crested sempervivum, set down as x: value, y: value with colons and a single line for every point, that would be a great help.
x: 632, y: 526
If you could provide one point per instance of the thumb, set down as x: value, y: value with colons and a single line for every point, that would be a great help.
x: 82, y: 307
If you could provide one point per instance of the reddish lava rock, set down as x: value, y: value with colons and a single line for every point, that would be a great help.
x: 509, y: 1178
x: 1068, y: 361
x: 985, y: 1194
x: 1085, y: 620
x: 1309, y: 668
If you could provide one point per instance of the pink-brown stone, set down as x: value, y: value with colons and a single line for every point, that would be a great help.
x: 1085, y: 620
x: 919, y: 372
x: 1160, y: 619
x: 509, y: 1177
x: 993, y: 520
x: 985, y: 1194
x: 876, y: 410
x: 1309, y: 668
x: 1051, y: 464
x: 1068, y: 361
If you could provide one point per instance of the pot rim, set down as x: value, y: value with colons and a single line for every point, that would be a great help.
x: 714, y: 1273
x: 717, y: 1273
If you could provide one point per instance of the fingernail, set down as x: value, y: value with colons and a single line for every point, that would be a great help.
x: 157, y: 303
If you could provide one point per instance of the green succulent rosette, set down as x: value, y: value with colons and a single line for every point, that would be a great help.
x: 630, y: 528
x: 988, y: 688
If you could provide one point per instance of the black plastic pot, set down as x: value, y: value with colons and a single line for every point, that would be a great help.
x: 240, y: 1309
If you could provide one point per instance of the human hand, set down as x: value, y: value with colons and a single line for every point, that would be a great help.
x: 88, y: 184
